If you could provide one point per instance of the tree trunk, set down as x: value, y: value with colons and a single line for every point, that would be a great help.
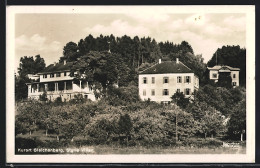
x: 30, y: 132
x: 211, y: 136
x: 58, y: 139
x: 46, y: 132
x: 205, y: 135
x: 241, y: 137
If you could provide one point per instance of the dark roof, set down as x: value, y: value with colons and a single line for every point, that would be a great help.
x: 218, y: 67
x: 167, y: 67
x: 59, y: 67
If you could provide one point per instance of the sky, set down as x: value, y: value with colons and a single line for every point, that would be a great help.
x: 47, y: 34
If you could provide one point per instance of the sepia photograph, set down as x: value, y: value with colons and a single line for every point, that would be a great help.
x: 151, y: 84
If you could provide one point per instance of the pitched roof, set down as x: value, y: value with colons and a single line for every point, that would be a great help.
x: 59, y: 67
x: 167, y: 67
x: 218, y: 67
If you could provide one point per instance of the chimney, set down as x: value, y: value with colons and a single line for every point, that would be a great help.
x: 64, y: 62
x: 160, y: 61
x: 177, y: 60
x: 54, y: 63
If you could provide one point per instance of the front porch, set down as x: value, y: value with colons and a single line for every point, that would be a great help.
x: 66, y: 90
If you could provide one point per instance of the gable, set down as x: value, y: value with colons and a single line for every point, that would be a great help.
x: 167, y: 67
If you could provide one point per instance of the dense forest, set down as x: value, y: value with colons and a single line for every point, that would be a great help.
x: 106, y: 60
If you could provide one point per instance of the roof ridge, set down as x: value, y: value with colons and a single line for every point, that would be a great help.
x: 221, y: 66
x: 184, y: 65
x: 149, y: 67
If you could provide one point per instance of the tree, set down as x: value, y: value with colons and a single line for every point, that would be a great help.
x: 211, y: 123
x: 224, y: 80
x: 180, y: 100
x: 102, y: 68
x: 70, y: 52
x: 237, y: 123
x: 29, y: 65
x: 125, y: 125
x: 21, y: 90
x: 30, y: 116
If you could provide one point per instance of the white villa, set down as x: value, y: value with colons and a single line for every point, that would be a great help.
x: 233, y: 72
x: 159, y: 82
x: 57, y: 82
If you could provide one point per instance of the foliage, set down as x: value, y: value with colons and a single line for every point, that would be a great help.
x: 29, y: 65
x: 125, y: 124
x: 43, y: 97
x: 224, y: 80
x: 180, y: 100
x: 212, y: 123
x: 70, y: 52
x: 21, y: 89
x: 237, y: 123
x: 100, y: 68
x: 122, y: 96
x: 220, y: 98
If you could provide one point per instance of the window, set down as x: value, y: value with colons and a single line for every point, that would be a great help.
x: 153, y: 92
x: 187, y: 79
x: 178, y: 90
x: 165, y: 92
x: 52, y: 75
x: 144, y: 80
x: 187, y: 91
x: 153, y: 80
x: 65, y: 73
x: 178, y: 79
x: 144, y: 92
x: 234, y: 75
x: 165, y: 80
x: 234, y: 83
x: 58, y: 74
x: 214, y: 75
x: 45, y: 76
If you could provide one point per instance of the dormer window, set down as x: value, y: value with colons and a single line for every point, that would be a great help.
x: 45, y: 76
x: 234, y: 75
x: 52, y: 75
x: 65, y: 73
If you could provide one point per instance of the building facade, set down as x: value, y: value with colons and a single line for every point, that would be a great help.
x: 232, y: 72
x: 159, y: 82
x: 56, y: 81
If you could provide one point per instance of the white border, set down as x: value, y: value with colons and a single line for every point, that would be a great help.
x: 249, y: 157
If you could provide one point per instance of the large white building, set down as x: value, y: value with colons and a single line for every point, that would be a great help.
x: 217, y: 69
x: 159, y: 82
x: 56, y: 81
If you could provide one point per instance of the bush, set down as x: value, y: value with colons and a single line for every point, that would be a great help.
x: 58, y: 100
x: 25, y: 143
